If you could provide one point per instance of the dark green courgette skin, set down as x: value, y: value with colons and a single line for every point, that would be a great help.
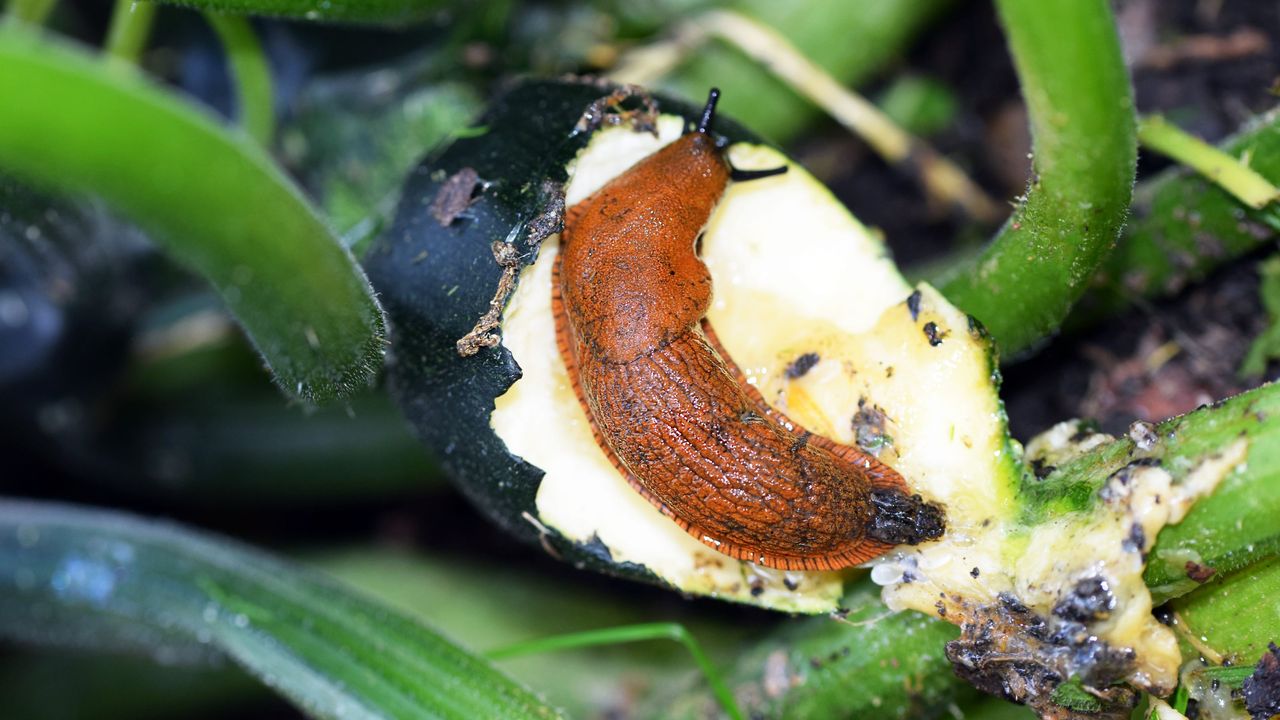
x: 436, y: 281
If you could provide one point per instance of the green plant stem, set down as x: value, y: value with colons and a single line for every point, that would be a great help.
x: 74, y: 575
x: 381, y: 12
x: 130, y: 27
x: 250, y: 75
x: 629, y: 634
x: 1184, y: 226
x: 212, y: 199
x: 1026, y: 280
x: 486, y: 605
x: 31, y: 12
x: 1224, y: 170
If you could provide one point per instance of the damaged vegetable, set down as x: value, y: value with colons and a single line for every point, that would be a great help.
x: 818, y: 350
x: 1051, y: 576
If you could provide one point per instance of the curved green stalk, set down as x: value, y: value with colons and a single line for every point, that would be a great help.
x: 382, y: 12
x: 112, y: 580
x: 130, y: 27
x: 213, y: 200
x: 1077, y: 90
x: 250, y: 75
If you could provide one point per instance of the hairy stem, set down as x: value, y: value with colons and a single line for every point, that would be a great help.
x: 1073, y: 77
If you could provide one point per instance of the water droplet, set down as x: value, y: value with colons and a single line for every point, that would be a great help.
x: 210, y: 614
x: 240, y: 620
x: 78, y: 578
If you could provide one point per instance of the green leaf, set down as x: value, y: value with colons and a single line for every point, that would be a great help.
x: 921, y: 105
x: 29, y: 11
x: 1077, y: 90
x: 382, y: 12
x: 1235, y: 616
x: 351, y: 138
x: 1266, y: 347
x: 1240, y: 523
x: 870, y: 662
x: 97, y: 578
x: 212, y: 199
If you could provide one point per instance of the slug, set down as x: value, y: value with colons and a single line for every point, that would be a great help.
x: 671, y: 409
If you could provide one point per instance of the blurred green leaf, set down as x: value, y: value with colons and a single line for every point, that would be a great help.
x: 486, y: 605
x: 29, y: 11
x: 383, y: 12
x: 104, y: 579
x: 921, y: 105
x: 1266, y: 347
x: 54, y: 684
x: 352, y: 138
x: 213, y: 200
x: 1239, y: 524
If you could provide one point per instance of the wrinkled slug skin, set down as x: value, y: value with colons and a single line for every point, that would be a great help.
x: 629, y: 296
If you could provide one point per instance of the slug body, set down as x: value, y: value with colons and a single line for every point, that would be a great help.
x: 630, y: 294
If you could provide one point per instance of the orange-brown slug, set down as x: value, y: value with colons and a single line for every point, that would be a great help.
x: 666, y: 403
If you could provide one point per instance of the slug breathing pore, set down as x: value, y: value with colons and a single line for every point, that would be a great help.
x: 670, y: 408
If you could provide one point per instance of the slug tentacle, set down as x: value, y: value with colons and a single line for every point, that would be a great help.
x: 672, y: 411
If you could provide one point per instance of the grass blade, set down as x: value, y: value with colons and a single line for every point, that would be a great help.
x: 225, y: 210
x: 73, y: 575
x: 1224, y: 170
x: 628, y: 634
